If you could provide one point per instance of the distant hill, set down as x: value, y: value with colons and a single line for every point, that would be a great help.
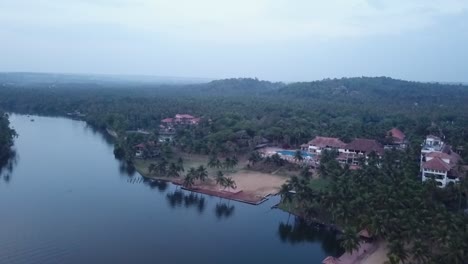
x: 239, y: 86
x: 361, y: 89
x: 57, y: 79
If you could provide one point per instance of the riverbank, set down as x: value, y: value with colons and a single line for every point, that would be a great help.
x: 252, y: 187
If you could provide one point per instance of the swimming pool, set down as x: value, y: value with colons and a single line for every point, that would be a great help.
x: 292, y: 153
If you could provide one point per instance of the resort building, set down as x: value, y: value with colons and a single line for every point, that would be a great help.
x: 180, y: 119
x: 358, y: 149
x: 396, y: 139
x: 439, y: 162
x: 347, y: 153
x: 146, y: 150
x: 318, y: 144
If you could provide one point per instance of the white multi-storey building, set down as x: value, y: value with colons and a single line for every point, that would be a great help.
x: 439, y: 162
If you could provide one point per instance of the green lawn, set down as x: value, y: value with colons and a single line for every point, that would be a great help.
x: 319, y: 184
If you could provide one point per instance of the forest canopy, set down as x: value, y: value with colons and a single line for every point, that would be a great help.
x: 286, y: 114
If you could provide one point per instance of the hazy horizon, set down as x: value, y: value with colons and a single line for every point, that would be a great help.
x: 194, y: 80
x: 271, y: 40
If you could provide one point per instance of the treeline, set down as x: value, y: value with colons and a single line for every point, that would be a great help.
x: 6, y: 137
x: 238, y: 113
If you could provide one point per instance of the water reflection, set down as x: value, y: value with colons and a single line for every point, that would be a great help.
x: 126, y: 168
x: 224, y: 210
x: 179, y: 198
x: 155, y: 184
x: 300, y: 231
x: 102, y: 133
x: 8, y: 165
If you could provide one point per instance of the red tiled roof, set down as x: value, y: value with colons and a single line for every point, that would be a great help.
x: 397, y: 134
x: 436, y: 164
x: 141, y: 145
x: 440, y: 155
x: 323, y: 142
x: 366, y: 145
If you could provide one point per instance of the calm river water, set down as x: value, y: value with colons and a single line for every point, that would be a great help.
x: 66, y: 199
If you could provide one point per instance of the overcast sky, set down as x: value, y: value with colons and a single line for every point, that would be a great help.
x: 280, y: 40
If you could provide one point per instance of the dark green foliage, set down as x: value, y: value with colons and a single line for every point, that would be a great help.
x: 6, y: 137
x: 387, y: 198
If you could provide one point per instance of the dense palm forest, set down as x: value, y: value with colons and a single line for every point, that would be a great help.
x: 6, y: 137
x: 237, y: 113
x: 421, y: 222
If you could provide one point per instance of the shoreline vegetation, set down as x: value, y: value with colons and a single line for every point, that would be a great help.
x: 407, y: 220
x: 7, y: 153
x: 7, y: 134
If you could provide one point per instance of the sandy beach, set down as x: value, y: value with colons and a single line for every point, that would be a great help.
x: 378, y: 256
x: 252, y: 186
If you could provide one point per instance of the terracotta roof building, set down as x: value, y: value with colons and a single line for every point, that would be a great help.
x: 180, y: 119
x: 318, y: 144
x: 365, y: 146
x: 396, y: 139
x: 439, y: 162
x: 397, y: 135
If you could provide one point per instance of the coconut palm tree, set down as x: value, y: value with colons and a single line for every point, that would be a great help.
x: 285, y: 192
x: 202, y: 173
x: 161, y: 167
x: 254, y: 157
x: 192, y: 172
x: 151, y: 168
x: 419, y: 251
x: 305, y: 172
x: 173, y: 170
x: 234, y: 161
x: 189, y: 181
x: 220, y: 178
x: 350, y: 240
x: 398, y: 250
x: 227, y: 163
x: 212, y: 161
x: 180, y: 164
x: 298, y: 156
x: 218, y: 164
x: 229, y: 183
